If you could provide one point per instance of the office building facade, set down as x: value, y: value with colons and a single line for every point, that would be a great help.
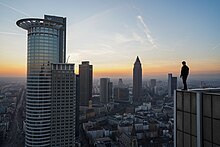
x: 137, y: 80
x: 105, y: 90
x: 86, y: 82
x: 121, y: 94
x: 197, y: 118
x: 46, y: 45
x: 63, y: 104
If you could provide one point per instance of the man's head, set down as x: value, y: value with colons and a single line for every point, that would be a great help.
x: 184, y: 62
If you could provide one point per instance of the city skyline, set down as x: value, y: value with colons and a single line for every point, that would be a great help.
x: 111, y: 34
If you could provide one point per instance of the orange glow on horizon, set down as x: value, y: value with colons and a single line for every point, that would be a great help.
x: 13, y: 71
x: 125, y: 71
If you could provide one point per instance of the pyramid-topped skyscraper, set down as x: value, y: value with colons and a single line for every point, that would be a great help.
x: 137, y: 80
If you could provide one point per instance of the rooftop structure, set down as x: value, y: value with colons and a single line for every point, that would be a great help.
x: 197, y: 118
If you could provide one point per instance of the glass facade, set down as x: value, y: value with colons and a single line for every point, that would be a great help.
x: 43, y: 49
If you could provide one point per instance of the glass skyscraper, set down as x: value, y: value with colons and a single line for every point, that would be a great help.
x: 46, y: 45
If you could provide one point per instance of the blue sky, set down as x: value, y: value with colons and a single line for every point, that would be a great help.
x: 111, y: 33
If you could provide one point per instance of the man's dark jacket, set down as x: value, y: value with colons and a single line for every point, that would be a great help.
x: 184, y: 71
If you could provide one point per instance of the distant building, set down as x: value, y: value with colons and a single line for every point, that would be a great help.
x: 152, y: 83
x: 152, y: 86
x: 120, y: 83
x: 86, y: 80
x: 172, y: 85
x: 110, y: 91
x: 105, y: 90
x: 137, y: 80
x: 121, y: 94
x: 197, y: 118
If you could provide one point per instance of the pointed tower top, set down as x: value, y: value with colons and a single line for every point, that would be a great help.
x: 137, y: 59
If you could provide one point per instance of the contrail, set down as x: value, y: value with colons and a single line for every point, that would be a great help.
x: 147, y: 31
x: 14, y: 9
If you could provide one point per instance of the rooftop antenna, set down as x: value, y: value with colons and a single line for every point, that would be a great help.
x: 68, y: 59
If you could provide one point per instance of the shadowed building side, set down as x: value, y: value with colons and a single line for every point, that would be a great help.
x: 63, y: 105
x: 86, y: 80
x: 172, y: 85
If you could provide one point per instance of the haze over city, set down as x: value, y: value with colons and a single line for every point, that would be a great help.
x: 110, y: 34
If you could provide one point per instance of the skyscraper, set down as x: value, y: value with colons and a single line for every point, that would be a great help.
x: 137, y: 80
x: 105, y: 90
x: 77, y: 105
x: 153, y: 83
x: 63, y: 105
x: 86, y: 80
x: 172, y: 85
x: 121, y: 92
x: 120, y: 83
x: 46, y: 45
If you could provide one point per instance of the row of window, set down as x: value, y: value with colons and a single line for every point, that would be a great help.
x: 36, y: 41
x: 42, y: 48
x: 38, y: 57
x: 43, y: 28
x: 45, y: 36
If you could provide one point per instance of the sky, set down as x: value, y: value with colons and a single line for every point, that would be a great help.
x: 112, y: 33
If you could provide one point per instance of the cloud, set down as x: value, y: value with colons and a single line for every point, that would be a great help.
x: 106, y: 45
x: 125, y: 38
x: 216, y: 46
x: 147, y: 32
x: 120, y: 38
x: 14, y: 9
x: 138, y: 37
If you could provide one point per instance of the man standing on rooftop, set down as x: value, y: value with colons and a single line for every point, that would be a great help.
x: 184, y: 74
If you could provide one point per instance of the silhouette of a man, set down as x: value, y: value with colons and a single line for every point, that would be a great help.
x: 184, y: 74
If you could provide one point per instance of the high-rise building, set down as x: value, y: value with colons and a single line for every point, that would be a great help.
x: 153, y: 83
x: 105, y: 90
x: 152, y: 86
x: 121, y: 94
x: 137, y: 80
x: 172, y: 85
x: 77, y: 105
x: 86, y: 80
x: 197, y: 118
x: 47, y: 45
x: 120, y: 83
x: 110, y: 91
x: 63, y: 105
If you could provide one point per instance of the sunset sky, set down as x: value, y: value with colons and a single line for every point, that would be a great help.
x: 111, y: 33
